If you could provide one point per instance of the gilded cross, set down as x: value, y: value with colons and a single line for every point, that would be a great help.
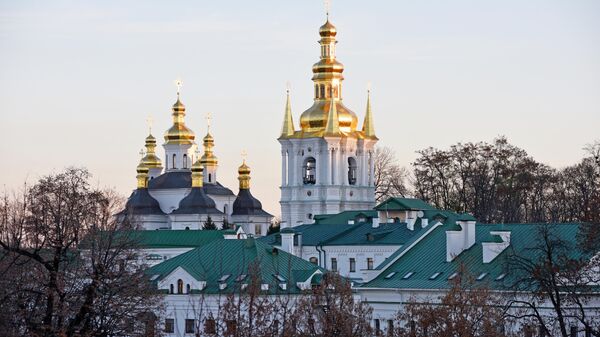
x: 142, y: 153
x: 208, y: 118
x: 244, y: 155
x: 327, y: 4
x: 150, y: 121
x: 178, y: 84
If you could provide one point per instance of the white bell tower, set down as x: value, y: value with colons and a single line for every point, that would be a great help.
x: 327, y: 165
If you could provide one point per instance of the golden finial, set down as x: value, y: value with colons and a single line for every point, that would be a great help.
x: 197, y: 172
x: 368, y: 128
x: 287, y: 129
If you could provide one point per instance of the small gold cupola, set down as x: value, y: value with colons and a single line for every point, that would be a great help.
x: 208, y: 160
x: 151, y: 160
x: 179, y: 133
x: 244, y: 176
x: 142, y: 175
x: 197, y: 174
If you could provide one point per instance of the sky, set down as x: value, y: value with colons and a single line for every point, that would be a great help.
x: 78, y: 79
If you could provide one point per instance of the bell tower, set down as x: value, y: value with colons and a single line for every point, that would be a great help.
x: 327, y: 165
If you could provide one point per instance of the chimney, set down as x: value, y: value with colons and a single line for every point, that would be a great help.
x: 501, y: 241
x: 460, y: 238
x: 424, y: 222
x: 287, y: 240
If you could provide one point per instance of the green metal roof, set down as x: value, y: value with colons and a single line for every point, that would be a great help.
x: 236, y: 257
x: 428, y: 257
x: 404, y: 204
x: 174, y: 238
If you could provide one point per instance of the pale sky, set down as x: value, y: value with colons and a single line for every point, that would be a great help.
x: 79, y: 78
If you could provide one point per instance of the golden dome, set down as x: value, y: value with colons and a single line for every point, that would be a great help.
x: 315, y: 118
x: 151, y: 160
x: 328, y: 29
x: 197, y: 174
x: 244, y: 176
x: 179, y: 133
x: 142, y: 175
x: 209, y: 158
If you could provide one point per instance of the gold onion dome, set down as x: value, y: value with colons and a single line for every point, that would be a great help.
x: 327, y: 78
x: 209, y: 158
x: 328, y: 29
x: 197, y: 174
x: 244, y: 176
x: 142, y: 175
x: 179, y: 133
x: 151, y: 160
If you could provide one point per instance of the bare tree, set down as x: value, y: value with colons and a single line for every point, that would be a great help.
x: 466, y: 310
x: 69, y: 270
x: 390, y: 177
x: 558, y: 276
x: 329, y: 310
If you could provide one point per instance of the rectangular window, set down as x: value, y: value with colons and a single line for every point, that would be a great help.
x: 231, y: 327
x: 377, y: 326
x: 352, y: 265
x: 210, y: 326
x: 258, y: 229
x: 169, y: 325
x: 333, y: 264
x: 573, y: 331
x: 370, y: 263
x: 390, y: 327
x: 189, y: 326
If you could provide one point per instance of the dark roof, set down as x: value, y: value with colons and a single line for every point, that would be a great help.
x: 247, y: 204
x: 171, y: 179
x: 141, y: 203
x: 217, y: 189
x: 183, y: 179
x: 197, y: 202
x: 235, y: 258
x: 403, y: 204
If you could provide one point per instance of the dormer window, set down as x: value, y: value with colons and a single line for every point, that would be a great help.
x: 501, y: 277
x: 408, y: 275
x: 481, y: 276
x: 224, y: 278
x: 390, y: 275
x: 453, y: 276
x: 435, y: 275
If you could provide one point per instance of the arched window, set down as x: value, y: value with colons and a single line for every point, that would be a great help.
x: 351, y: 171
x: 309, y: 170
x: 185, y: 160
x: 171, y: 289
x: 180, y: 286
x: 174, y: 157
x: 187, y: 288
x: 314, y: 260
x: 322, y: 89
x: 209, y: 177
x: 225, y: 210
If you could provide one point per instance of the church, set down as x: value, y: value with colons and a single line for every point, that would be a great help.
x: 185, y: 194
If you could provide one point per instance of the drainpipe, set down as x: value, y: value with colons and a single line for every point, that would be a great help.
x: 318, y: 250
x: 324, y: 257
